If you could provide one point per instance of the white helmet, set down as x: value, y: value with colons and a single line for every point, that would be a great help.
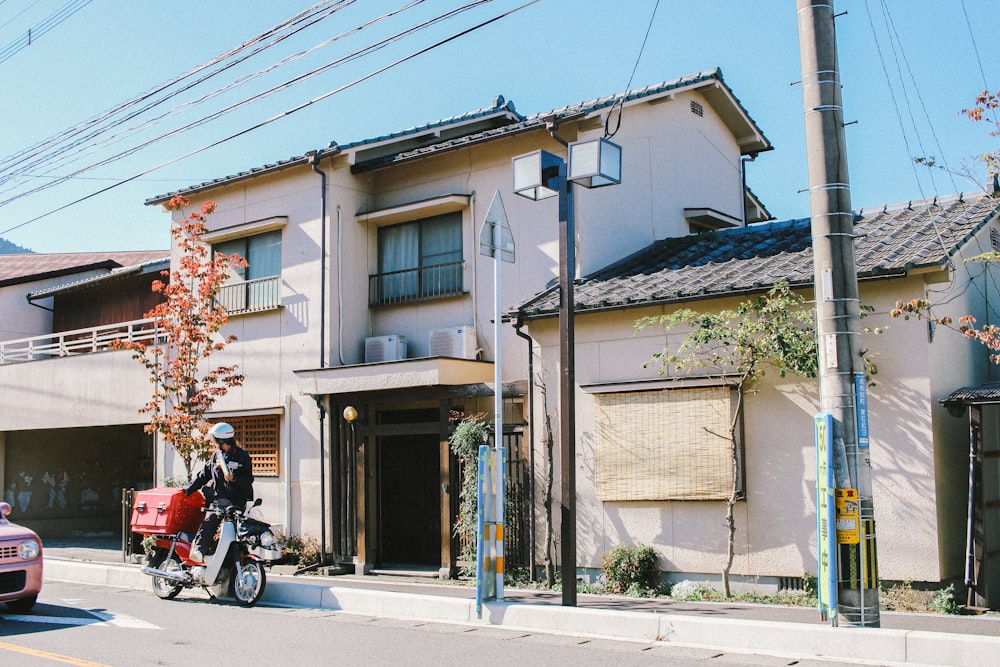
x: 222, y: 431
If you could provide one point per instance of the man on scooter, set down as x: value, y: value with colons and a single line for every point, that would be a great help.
x: 230, y: 473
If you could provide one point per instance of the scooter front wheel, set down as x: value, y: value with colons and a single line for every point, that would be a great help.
x: 248, y: 583
x: 165, y: 588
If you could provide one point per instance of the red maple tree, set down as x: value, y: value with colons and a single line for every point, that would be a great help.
x: 188, y: 322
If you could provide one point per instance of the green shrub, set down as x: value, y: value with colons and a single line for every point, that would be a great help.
x: 469, y: 434
x: 943, y: 601
x: 632, y: 570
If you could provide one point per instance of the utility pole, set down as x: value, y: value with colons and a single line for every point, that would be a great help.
x: 838, y: 307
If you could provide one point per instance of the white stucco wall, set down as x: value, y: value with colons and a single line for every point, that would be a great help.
x: 776, y: 524
x: 100, y: 389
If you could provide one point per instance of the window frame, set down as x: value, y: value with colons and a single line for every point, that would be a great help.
x: 242, y: 294
x: 423, y: 277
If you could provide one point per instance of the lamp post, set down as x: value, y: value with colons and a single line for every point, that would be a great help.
x: 540, y: 175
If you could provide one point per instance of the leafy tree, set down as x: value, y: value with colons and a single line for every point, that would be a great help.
x: 188, y: 321
x: 986, y: 105
x: 922, y: 309
x: 984, y: 109
x: 773, y: 329
x: 989, y: 335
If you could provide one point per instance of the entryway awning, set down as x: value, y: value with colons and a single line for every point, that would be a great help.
x: 403, y: 374
x: 983, y: 394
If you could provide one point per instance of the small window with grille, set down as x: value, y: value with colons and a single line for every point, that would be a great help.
x: 259, y: 435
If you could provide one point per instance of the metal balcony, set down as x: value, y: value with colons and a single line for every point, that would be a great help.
x: 427, y: 282
x: 250, y: 296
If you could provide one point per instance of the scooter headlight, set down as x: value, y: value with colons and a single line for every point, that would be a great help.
x: 267, y: 539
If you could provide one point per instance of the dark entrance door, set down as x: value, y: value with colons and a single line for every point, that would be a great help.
x: 409, y: 503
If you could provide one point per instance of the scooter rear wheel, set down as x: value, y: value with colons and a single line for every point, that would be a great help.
x: 164, y: 588
x: 249, y: 583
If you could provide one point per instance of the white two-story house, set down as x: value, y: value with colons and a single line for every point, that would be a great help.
x: 380, y: 300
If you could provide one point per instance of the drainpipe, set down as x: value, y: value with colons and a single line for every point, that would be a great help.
x: 37, y: 305
x: 288, y: 464
x: 340, y: 288
x: 743, y: 183
x: 321, y: 405
x: 314, y: 163
x: 531, y: 440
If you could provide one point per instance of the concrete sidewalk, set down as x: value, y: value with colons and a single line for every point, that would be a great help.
x: 793, y: 632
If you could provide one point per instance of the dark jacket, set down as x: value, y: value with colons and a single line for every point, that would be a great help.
x: 240, y: 490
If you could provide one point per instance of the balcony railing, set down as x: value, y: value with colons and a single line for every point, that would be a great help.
x: 427, y: 282
x: 78, y: 341
x: 251, y: 296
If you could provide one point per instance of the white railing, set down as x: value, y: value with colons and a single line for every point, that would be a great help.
x: 248, y: 296
x: 78, y: 341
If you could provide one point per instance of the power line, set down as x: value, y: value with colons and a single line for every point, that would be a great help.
x: 247, y: 101
x: 607, y: 122
x: 285, y: 29
x: 63, y: 155
x: 47, y: 24
x: 979, y: 60
x: 280, y: 116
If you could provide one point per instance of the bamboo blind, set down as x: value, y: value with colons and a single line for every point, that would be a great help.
x: 664, y: 445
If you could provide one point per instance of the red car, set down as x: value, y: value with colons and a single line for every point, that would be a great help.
x: 20, y: 564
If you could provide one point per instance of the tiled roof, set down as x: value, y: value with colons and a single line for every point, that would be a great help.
x: 987, y: 393
x: 889, y: 241
x: 29, y: 267
x: 541, y: 119
x: 157, y: 265
x: 507, y: 122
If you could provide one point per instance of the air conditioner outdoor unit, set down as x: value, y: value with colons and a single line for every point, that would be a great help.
x: 385, y: 348
x: 459, y: 342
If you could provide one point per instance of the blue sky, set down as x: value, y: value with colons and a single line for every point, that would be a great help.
x: 908, y: 67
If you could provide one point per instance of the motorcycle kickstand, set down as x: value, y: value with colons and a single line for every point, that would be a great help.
x: 211, y: 595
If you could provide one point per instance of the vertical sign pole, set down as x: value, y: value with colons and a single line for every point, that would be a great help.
x: 826, y: 541
x: 480, y: 526
x: 496, y: 241
x: 498, y: 404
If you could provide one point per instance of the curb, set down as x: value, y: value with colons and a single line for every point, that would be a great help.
x: 860, y: 645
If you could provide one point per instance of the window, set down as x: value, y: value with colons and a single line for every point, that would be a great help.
x: 257, y: 286
x: 666, y: 445
x: 419, y: 260
x: 259, y: 435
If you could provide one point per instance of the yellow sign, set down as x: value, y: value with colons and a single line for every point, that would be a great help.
x: 848, y: 516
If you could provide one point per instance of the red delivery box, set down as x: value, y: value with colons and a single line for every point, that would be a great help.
x: 164, y: 511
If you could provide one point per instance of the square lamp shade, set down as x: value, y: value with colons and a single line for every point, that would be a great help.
x: 595, y: 163
x: 536, y: 175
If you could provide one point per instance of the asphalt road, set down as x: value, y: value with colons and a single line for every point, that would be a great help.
x: 93, y: 626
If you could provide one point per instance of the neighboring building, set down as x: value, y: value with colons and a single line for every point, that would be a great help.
x: 651, y: 468
x: 70, y: 436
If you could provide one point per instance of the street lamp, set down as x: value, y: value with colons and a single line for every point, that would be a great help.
x: 539, y: 175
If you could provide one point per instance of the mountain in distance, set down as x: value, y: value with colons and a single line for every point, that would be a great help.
x: 8, y: 248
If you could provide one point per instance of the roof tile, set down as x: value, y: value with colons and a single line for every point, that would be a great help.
x: 890, y: 240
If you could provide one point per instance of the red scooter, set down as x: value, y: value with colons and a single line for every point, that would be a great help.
x: 245, y: 545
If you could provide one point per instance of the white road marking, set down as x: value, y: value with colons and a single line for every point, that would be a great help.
x: 96, y: 618
x: 122, y: 620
